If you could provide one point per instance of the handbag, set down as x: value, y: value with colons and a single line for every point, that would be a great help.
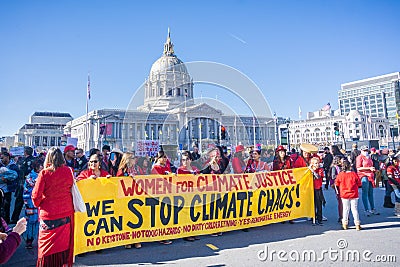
x: 79, y: 204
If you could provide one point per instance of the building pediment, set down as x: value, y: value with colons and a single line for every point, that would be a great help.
x: 203, y: 110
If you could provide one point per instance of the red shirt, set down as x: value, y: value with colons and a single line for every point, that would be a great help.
x: 52, y: 193
x: 183, y: 170
x: 348, y: 183
x: 256, y: 166
x: 363, y: 161
x: 89, y: 172
x: 300, y: 162
x: 159, y: 169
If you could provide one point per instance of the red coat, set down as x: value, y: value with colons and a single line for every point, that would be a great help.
x: 89, y: 172
x: 348, y: 183
x: 52, y: 193
x: 159, y: 169
x: 300, y: 162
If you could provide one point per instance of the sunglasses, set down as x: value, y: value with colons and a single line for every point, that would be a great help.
x: 94, y: 161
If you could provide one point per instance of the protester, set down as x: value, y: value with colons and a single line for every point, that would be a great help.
x: 319, y: 200
x: 94, y: 169
x: 52, y: 195
x: 128, y: 167
x: 327, y: 161
x: 9, y: 175
x: 114, y: 161
x: 69, y: 155
x: 335, y: 170
x: 348, y: 183
x: 353, y: 156
x: 393, y: 174
x: 281, y: 161
x: 384, y: 161
x: 10, y: 242
x: 80, y: 159
x: 105, y: 153
x: 213, y: 163
x: 186, y: 165
x: 375, y: 161
x: 256, y: 164
x: 144, y: 166
x: 31, y: 211
x: 161, y: 166
x: 196, y: 157
x: 365, y: 171
x: 238, y: 163
x: 25, y: 169
x: 305, y: 155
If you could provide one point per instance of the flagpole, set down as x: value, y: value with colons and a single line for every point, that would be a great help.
x: 87, y: 111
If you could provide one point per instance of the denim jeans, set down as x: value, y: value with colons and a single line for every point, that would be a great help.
x: 396, y: 193
x: 367, y: 193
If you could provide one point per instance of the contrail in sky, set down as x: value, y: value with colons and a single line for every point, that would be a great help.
x: 237, y: 38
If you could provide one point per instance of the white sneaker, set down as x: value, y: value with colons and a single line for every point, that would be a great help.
x: 374, y: 212
x: 324, y: 218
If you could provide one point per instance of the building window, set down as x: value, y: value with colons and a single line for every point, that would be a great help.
x: 178, y: 91
x: 161, y: 91
x: 169, y: 92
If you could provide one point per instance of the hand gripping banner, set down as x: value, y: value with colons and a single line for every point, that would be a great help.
x: 126, y: 210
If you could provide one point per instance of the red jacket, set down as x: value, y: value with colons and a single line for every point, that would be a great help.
x: 89, y: 172
x: 52, y: 193
x: 348, y: 183
x: 159, y: 169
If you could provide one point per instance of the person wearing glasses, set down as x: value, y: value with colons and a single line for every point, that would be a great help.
x: 186, y: 165
x: 81, y: 159
x: 94, y: 169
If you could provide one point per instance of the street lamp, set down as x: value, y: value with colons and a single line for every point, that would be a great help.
x: 288, y: 135
x: 392, y: 135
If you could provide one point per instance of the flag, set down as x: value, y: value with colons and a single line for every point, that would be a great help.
x: 88, y: 86
x: 327, y: 107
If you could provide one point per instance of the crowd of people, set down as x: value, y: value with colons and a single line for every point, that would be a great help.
x: 41, y: 183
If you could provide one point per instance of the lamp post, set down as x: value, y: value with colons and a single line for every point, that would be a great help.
x: 276, y: 129
x: 288, y: 135
x: 392, y: 135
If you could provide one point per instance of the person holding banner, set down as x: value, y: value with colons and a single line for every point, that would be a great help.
x: 94, y: 169
x: 128, y: 167
x: 281, y: 161
x: 161, y: 166
x: 335, y: 170
x: 256, y: 164
x: 144, y: 166
x: 305, y: 156
x: 238, y: 164
x: 52, y: 195
x: 318, y: 174
x: 186, y: 164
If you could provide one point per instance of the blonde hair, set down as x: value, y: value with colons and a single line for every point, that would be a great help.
x: 315, y: 159
x: 54, y: 159
x: 125, y: 161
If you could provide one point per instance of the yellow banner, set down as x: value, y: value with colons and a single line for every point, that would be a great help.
x: 126, y: 210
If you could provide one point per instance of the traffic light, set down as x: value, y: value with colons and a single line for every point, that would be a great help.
x: 223, y: 132
x: 336, y: 128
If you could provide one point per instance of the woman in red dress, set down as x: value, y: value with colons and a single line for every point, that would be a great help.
x: 52, y: 195
x: 281, y: 161
x: 186, y: 164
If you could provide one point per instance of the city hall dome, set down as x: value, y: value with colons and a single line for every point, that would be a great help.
x: 169, y: 83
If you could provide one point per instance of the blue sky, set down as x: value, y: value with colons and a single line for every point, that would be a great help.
x: 297, y: 52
